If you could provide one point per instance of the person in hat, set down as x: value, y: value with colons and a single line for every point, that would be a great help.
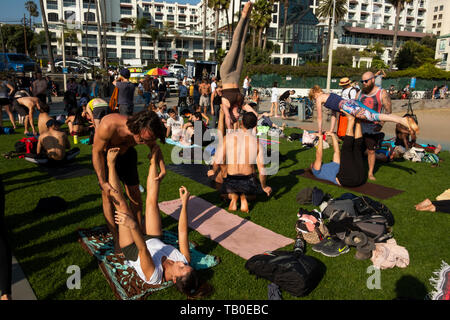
x: 347, y: 167
x: 126, y: 92
x: 348, y: 92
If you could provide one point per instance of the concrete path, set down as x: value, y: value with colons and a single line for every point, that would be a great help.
x: 21, y: 289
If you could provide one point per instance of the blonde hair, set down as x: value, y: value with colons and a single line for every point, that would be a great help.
x: 313, y: 91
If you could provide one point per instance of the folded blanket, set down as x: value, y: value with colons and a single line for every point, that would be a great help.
x: 390, y: 254
x: 123, y: 279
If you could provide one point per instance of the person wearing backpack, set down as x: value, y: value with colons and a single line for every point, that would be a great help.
x: 348, y: 92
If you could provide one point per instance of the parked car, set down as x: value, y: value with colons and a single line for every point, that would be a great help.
x: 16, y: 62
x: 176, y: 68
x: 172, y: 83
x: 71, y: 65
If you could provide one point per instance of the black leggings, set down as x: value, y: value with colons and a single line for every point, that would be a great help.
x: 352, y: 172
x: 442, y: 205
x: 5, y: 250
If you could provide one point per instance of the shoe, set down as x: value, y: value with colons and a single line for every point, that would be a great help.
x: 330, y: 247
x: 299, y: 245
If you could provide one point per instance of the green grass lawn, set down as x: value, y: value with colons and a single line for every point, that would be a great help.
x: 46, y: 245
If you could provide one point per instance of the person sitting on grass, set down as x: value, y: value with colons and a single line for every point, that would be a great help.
x: 154, y: 261
x: 354, y: 107
x: 239, y: 151
x: 43, y: 118
x: 174, y: 125
x: 406, y: 139
x: 53, y: 145
x: 347, y: 168
x: 189, y: 130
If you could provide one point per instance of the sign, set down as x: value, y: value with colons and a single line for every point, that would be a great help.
x: 175, y: 56
x: 65, y: 70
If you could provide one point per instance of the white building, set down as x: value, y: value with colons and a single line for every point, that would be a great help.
x: 183, y: 15
x: 438, y: 22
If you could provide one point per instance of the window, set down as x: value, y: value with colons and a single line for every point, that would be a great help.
x: 434, y: 17
x: 111, y: 40
x: 68, y: 3
x: 91, y: 39
x: 275, y: 8
x: 192, y: 11
x: 146, y: 42
x: 170, y: 17
x: 147, y: 54
x: 86, y: 4
x: 52, y: 4
x: 53, y: 17
x: 441, y: 8
x: 274, y: 18
x: 170, y: 9
x: 182, y: 10
x: 125, y: 10
x: 128, y: 53
x: 89, y: 16
x: 127, y: 41
x: 439, y: 25
x: 435, y: 9
x: 198, y: 44
x: 442, y: 45
x: 440, y: 16
x: 181, y: 19
x: 69, y: 15
x: 111, y: 53
x: 158, y: 8
x: 125, y: 1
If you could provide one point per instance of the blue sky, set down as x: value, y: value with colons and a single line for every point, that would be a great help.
x: 12, y: 10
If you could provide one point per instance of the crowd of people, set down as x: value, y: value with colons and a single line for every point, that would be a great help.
x: 238, y: 163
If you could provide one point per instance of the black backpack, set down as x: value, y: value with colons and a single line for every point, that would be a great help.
x: 20, y: 147
x: 293, y: 272
x: 367, y: 206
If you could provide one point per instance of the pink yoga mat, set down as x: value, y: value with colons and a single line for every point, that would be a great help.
x: 235, y: 234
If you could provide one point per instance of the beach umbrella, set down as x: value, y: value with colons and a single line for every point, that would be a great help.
x: 157, y: 72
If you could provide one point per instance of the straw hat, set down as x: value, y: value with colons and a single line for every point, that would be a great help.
x: 344, y: 81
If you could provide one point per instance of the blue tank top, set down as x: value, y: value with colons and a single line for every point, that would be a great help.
x: 333, y: 101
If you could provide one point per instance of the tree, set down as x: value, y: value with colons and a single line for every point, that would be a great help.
x: 286, y: 7
x: 225, y: 5
x: 325, y: 10
x: 13, y: 37
x: 343, y: 56
x: 70, y: 36
x: 139, y: 26
x: 167, y: 29
x: 32, y: 10
x: 413, y: 55
x: 215, y: 5
x: 428, y: 41
x: 399, y: 5
x: 99, y: 34
x: 154, y: 34
x: 261, y: 17
x: 47, y: 37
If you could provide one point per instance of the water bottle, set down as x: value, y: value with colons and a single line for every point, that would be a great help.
x: 75, y: 139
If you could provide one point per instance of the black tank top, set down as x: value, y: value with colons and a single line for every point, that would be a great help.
x: 217, y: 100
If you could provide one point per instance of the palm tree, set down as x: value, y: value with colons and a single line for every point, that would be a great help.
x: 286, y: 7
x: 87, y: 24
x: 325, y: 10
x: 205, y: 5
x: 139, y: 26
x: 168, y: 28
x: 154, y: 34
x: 70, y: 36
x: 99, y: 34
x: 225, y: 5
x: 398, y: 5
x: 47, y: 38
x: 32, y: 9
x: 215, y: 5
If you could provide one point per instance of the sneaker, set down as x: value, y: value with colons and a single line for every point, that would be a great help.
x: 330, y: 247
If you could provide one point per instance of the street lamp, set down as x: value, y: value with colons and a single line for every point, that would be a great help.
x: 330, y: 49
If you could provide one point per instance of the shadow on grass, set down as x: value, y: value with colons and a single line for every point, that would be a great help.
x: 395, y: 166
x: 410, y: 288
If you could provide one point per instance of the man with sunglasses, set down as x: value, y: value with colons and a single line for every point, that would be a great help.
x: 116, y: 130
x: 377, y: 99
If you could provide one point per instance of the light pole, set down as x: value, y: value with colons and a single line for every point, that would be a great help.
x: 63, y: 56
x: 330, y: 49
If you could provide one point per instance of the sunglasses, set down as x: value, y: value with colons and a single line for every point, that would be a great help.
x: 365, y: 81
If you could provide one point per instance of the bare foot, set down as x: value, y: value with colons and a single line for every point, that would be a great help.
x: 246, y: 10
x: 6, y: 297
x: 438, y: 149
x: 112, y: 155
x: 244, y: 203
x: 233, y: 203
x: 372, y: 177
x: 431, y: 208
x: 425, y: 203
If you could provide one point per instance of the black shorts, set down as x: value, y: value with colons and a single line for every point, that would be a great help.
x: 126, y: 166
x: 100, y: 112
x: 131, y: 251
x: 126, y: 109
x: 241, y: 184
x: 4, y: 102
x: 20, y: 108
x: 372, y: 141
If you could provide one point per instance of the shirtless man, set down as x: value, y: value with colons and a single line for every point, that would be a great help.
x: 240, y: 152
x: 53, y: 142
x: 205, y: 90
x: 26, y: 106
x: 116, y: 130
x: 43, y: 118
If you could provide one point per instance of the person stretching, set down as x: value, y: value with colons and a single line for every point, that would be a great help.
x: 154, y: 261
x: 335, y: 103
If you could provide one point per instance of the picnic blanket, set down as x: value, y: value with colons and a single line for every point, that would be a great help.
x: 123, y: 279
x: 232, y: 232
x: 370, y: 189
x: 196, y: 172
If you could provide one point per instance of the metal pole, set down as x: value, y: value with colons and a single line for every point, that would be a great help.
x: 64, y: 59
x: 330, y: 50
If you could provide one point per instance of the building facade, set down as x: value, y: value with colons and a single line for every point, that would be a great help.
x: 439, y: 24
x: 179, y: 23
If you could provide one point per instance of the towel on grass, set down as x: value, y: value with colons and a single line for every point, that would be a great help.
x: 178, y: 144
x: 123, y: 279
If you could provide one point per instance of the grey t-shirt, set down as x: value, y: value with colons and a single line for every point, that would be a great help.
x: 378, y: 80
x: 126, y: 93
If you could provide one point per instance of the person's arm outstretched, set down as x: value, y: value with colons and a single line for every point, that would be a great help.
x: 183, y: 239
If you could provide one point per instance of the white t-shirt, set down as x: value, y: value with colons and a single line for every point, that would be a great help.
x: 245, y: 85
x: 349, y: 93
x: 158, y: 250
x: 274, y: 97
x: 213, y: 86
x: 175, y: 125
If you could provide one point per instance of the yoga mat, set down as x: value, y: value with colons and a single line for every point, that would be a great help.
x: 369, y: 189
x: 123, y: 279
x: 178, y: 144
x: 235, y: 234
x: 196, y: 172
